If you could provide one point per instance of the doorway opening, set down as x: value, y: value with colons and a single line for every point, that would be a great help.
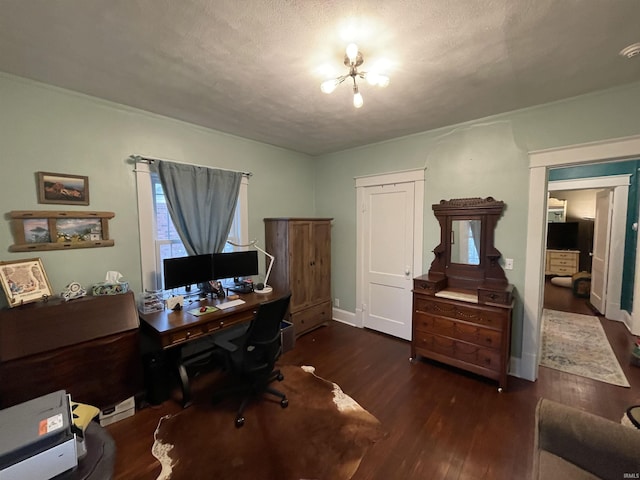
x: 569, y: 250
x: 540, y: 164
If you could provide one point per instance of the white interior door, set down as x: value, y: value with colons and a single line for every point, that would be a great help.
x: 388, y: 228
x: 600, y: 260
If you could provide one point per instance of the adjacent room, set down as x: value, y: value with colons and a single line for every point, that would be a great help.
x: 309, y: 239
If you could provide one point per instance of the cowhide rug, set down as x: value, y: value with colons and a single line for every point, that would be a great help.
x: 322, y: 434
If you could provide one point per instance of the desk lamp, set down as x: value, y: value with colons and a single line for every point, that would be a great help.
x: 260, y: 287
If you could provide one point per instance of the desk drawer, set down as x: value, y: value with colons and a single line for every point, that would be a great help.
x: 187, y: 334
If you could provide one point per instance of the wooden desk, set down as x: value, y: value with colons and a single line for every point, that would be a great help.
x: 88, y: 346
x: 171, y: 330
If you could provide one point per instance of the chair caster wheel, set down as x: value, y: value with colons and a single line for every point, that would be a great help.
x: 284, y: 403
x: 239, y: 422
x: 280, y: 377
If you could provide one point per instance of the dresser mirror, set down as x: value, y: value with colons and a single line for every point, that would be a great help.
x: 466, y: 236
x: 466, y: 258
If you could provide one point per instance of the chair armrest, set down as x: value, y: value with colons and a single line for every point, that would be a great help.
x: 594, y: 444
x: 225, y: 344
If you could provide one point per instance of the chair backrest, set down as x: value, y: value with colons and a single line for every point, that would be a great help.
x: 261, y: 344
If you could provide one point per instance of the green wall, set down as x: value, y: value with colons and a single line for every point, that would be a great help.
x: 488, y: 157
x: 43, y: 128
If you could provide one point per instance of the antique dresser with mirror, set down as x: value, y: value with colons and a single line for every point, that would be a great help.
x: 462, y: 307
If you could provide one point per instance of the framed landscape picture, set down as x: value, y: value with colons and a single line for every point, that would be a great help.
x: 24, y: 281
x: 59, y: 230
x: 63, y: 189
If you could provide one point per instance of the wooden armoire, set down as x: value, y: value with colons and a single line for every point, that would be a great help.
x: 302, y: 265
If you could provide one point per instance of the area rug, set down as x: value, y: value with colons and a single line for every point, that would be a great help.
x: 577, y: 344
x: 322, y: 434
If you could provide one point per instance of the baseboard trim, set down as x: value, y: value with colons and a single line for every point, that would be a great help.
x: 344, y: 316
x: 525, y: 367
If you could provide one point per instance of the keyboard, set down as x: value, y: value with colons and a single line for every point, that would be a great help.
x: 229, y: 304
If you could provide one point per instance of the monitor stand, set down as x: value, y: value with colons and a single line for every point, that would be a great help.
x: 240, y: 286
x: 187, y: 292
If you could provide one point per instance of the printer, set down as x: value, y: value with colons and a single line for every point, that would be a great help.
x: 36, y: 438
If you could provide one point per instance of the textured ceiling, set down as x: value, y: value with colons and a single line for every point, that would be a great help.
x: 253, y: 67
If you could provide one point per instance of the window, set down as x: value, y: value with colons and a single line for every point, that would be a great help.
x: 158, y: 236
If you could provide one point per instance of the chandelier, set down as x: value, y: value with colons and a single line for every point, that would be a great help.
x: 352, y: 60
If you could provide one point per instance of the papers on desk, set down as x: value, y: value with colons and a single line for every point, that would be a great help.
x: 202, y: 310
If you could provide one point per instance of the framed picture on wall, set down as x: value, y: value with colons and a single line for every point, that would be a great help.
x: 63, y: 189
x: 24, y: 281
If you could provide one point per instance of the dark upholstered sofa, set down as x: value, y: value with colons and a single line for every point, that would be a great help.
x: 572, y: 444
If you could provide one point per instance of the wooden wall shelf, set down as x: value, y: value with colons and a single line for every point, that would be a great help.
x: 59, y: 230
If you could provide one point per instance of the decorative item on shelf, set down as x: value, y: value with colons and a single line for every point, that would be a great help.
x: 73, y: 290
x: 112, y: 285
x: 63, y: 189
x: 353, y: 59
x: 24, y: 281
x: 261, y: 287
x: 58, y: 230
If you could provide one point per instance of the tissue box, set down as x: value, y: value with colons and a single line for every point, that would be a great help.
x: 105, y: 288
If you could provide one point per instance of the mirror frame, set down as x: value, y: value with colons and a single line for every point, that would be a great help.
x: 488, y: 275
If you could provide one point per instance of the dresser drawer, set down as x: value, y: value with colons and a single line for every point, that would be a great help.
x: 563, y: 270
x: 459, y: 350
x: 485, y: 315
x: 479, y: 336
x: 562, y: 255
x: 560, y: 262
x: 431, y: 324
x: 457, y: 330
x: 476, y: 355
x: 502, y: 297
x: 312, y: 317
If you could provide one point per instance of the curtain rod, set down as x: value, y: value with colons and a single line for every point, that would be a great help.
x: 149, y: 160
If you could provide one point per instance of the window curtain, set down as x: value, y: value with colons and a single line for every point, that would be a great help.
x: 476, y: 227
x: 201, y: 202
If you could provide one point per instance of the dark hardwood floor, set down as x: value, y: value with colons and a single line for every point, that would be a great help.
x: 442, y: 423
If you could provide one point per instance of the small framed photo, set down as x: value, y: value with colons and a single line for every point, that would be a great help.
x: 63, y: 189
x: 24, y: 281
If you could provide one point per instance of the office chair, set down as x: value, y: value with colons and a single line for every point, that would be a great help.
x: 251, y: 357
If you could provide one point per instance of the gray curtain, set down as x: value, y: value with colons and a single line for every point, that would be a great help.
x: 201, y: 202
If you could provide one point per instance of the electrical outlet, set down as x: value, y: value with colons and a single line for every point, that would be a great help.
x: 336, y: 302
x: 508, y: 263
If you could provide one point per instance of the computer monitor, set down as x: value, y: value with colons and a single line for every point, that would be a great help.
x: 235, y: 264
x: 187, y: 271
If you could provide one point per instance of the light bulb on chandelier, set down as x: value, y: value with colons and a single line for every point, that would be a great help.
x: 357, y: 97
x: 353, y: 59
